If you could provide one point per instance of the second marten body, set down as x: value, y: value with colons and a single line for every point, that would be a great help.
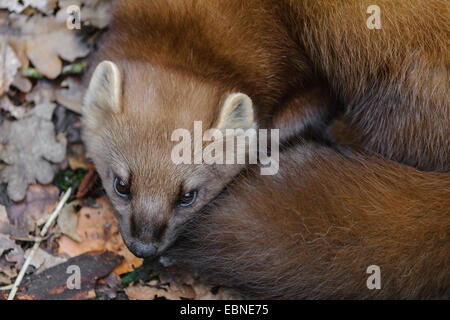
x: 313, y: 230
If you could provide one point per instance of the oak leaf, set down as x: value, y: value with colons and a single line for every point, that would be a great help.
x: 31, y: 146
x: 47, y: 41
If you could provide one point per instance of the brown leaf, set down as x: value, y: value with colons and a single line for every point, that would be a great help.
x: 72, y: 96
x: 6, y: 243
x: 142, y: 292
x: 30, y: 146
x: 20, y: 48
x: 18, y: 6
x: 76, y: 155
x: 68, y: 221
x: 43, y: 92
x: 16, y: 112
x: 11, y: 258
x: 34, y: 210
x: 174, y: 284
x: 9, y: 65
x: 78, y: 162
x: 7, y: 268
x: 42, y: 260
x: 5, y: 279
x: 4, y: 221
x: 16, y: 256
x: 98, y: 229
x: 47, y: 41
x: 21, y: 83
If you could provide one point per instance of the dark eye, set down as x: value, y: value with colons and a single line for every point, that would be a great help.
x: 121, y: 188
x: 188, y: 199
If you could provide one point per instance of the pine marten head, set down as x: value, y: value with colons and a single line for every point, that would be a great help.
x: 131, y: 111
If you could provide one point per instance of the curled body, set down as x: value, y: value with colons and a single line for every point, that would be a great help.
x: 243, y: 64
x: 313, y: 230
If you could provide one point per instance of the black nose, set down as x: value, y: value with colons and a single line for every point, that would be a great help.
x: 142, y: 250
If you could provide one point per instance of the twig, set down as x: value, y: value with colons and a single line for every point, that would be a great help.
x: 6, y: 287
x: 31, y: 239
x: 44, y: 230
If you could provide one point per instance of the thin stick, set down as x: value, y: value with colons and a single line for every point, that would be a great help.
x: 55, y: 213
x: 47, y: 225
x: 6, y: 287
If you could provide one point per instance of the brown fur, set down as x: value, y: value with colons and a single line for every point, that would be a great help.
x: 393, y: 82
x: 312, y: 231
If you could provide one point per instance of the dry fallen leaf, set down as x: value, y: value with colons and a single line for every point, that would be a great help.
x: 183, y: 283
x: 5, y: 243
x: 72, y: 96
x: 7, y: 105
x: 42, y: 260
x: 68, y: 221
x: 45, y: 6
x: 30, y: 147
x: 9, y: 65
x: 78, y: 162
x: 98, y: 230
x: 4, y: 221
x: 22, y: 83
x: 33, y: 211
x: 43, y: 91
x: 176, y: 291
x: 175, y: 283
x: 47, y: 41
x: 7, y: 269
x: 20, y: 48
x: 16, y: 256
x: 143, y: 292
x: 77, y: 157
x: 4, y: 279
x: 11, y: 258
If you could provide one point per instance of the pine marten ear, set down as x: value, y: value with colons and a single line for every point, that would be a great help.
x: 237, y: 113
x: 103, y: 94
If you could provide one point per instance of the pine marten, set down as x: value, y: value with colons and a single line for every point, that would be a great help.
x: 313, y: 230
x: 243, y: 64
